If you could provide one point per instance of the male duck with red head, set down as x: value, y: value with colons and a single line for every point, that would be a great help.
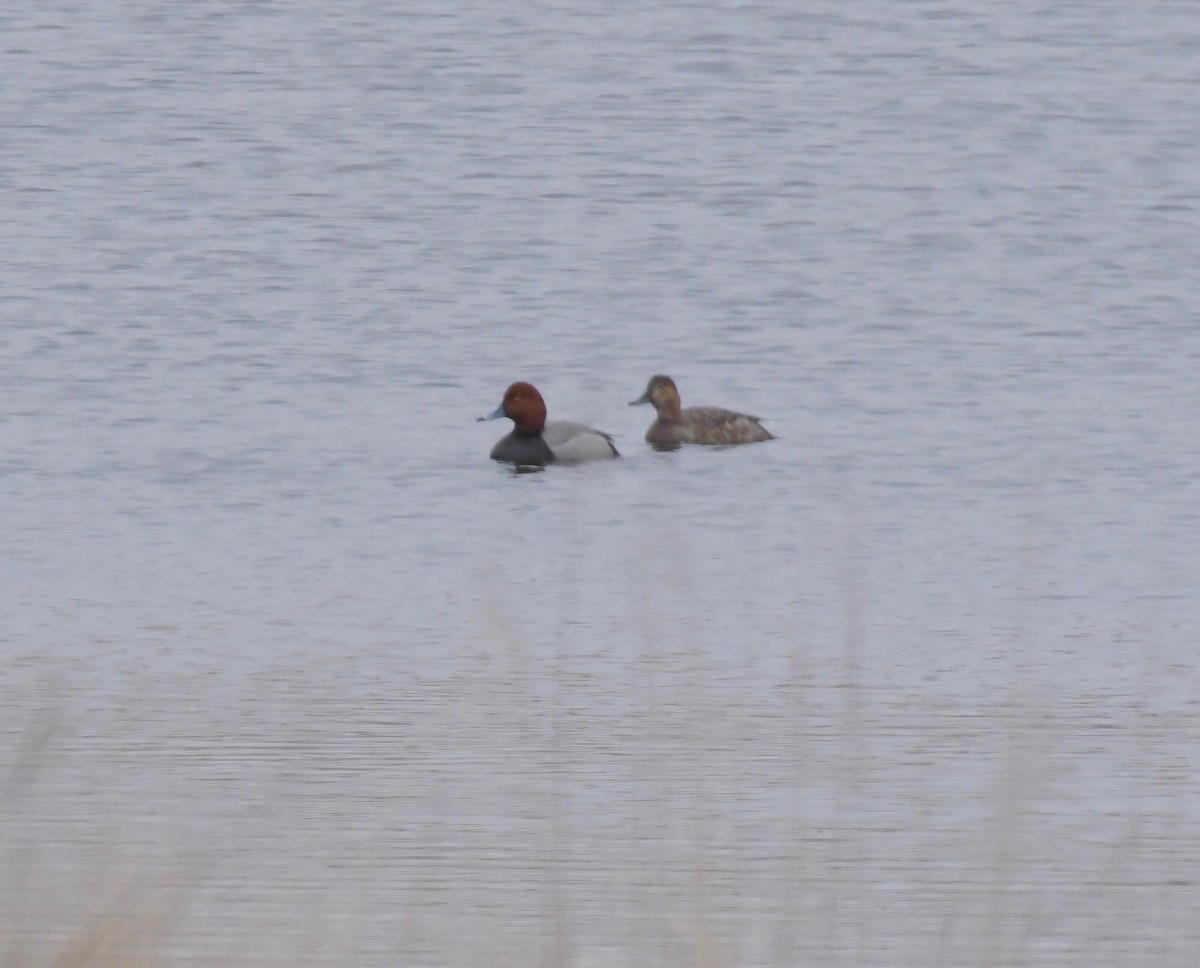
x: 537, y: 441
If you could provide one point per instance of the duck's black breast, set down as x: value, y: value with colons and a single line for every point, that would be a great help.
x: 518, y: 448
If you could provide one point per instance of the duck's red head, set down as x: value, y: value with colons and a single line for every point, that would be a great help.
x: 524, y: 406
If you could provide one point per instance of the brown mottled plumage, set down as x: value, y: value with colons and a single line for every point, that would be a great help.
x: 695, y: 425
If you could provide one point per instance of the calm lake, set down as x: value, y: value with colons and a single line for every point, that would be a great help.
x: 293, y: 675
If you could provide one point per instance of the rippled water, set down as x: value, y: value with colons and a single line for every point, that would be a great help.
x: 293, y: 674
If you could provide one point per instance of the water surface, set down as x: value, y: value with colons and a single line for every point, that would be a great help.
x: 293, y: 674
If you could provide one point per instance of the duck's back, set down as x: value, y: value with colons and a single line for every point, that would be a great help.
x: 571, y: 441
x: 716, y: 425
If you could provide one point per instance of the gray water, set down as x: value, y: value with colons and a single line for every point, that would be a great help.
x: 293, y: 674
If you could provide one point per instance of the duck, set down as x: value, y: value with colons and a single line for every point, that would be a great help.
x: 536, y: 441
x: 695, y: 425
